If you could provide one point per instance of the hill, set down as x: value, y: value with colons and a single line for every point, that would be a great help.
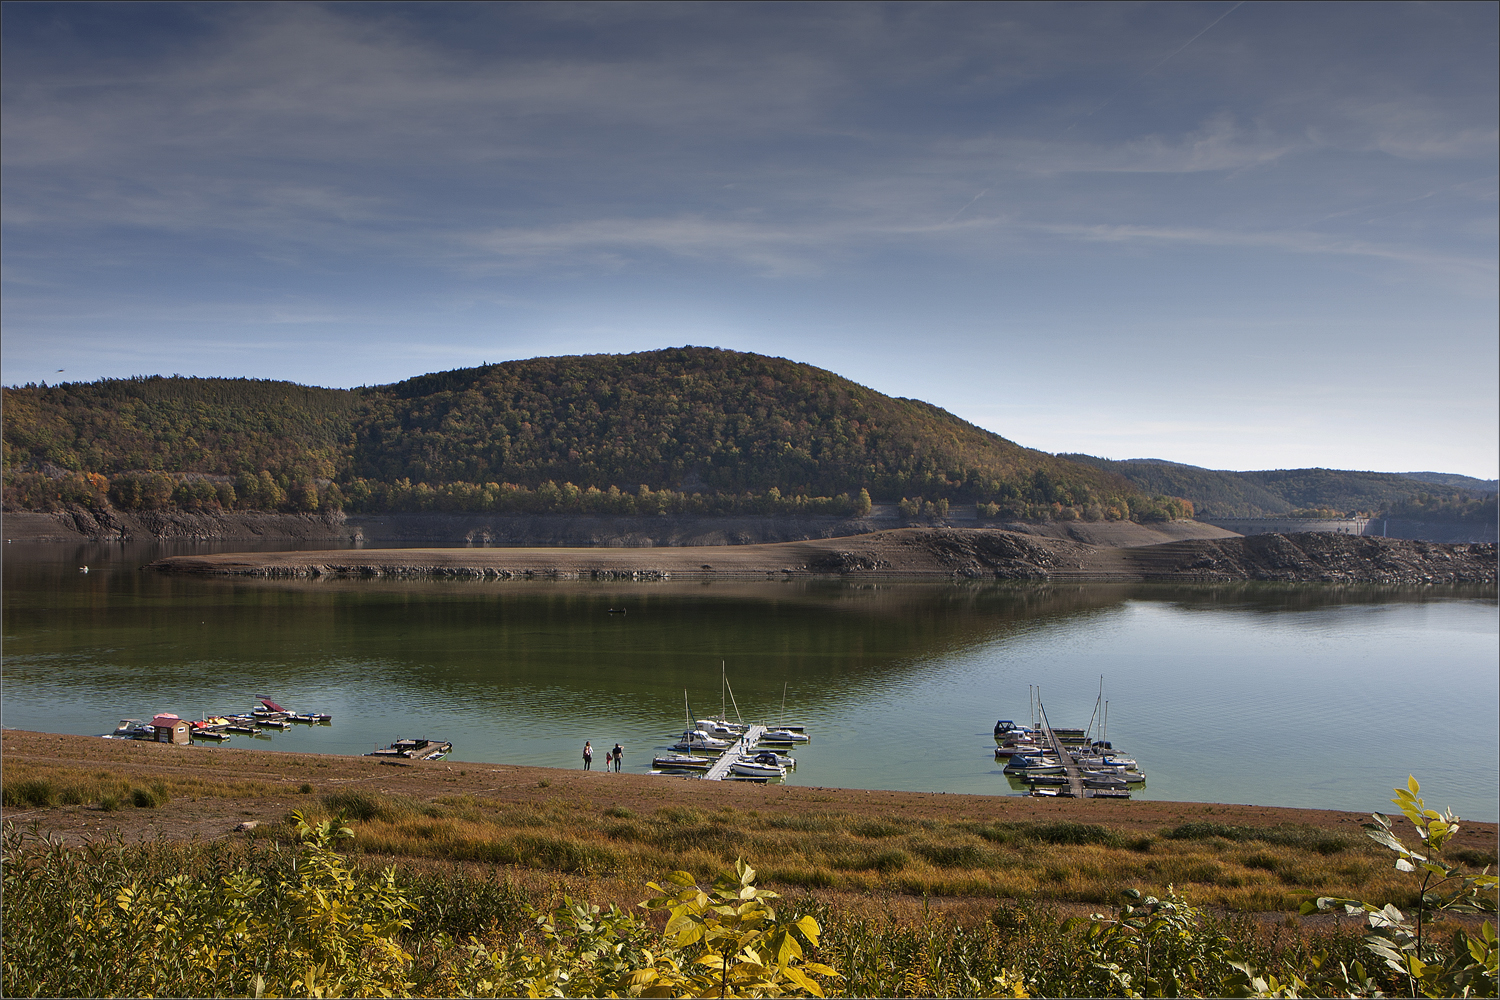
x: 683, y: 429
x: 1428, y: 496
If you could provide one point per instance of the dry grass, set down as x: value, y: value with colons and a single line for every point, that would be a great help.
x: 42, y: 787
x: 1236, y: 868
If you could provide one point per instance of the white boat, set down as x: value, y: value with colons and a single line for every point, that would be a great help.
x: 722, y: 728
x: 751, y: 769
x: 784, y: 736
x: 132, y: 729
x: 771, y: 757
x: 697, y: 739
x: 681, y: 762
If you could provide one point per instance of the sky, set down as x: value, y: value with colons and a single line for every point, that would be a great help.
x: 1236, y: 235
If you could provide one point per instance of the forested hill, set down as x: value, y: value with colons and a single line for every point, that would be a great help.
x: 206, y: 425
x: 689, y: 421
x: 726, y: 420
x: 1217, y: 493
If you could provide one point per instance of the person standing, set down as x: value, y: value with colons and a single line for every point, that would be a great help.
x: 619, y: 755
x: 588, y: 755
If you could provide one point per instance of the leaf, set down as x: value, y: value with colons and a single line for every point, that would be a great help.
x: 796, y: 976
x: 1383, y: 836
x: 1411, y: 782
x: 1402, y: 865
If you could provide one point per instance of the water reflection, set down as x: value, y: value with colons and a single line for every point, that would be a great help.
x: 1264, y: 693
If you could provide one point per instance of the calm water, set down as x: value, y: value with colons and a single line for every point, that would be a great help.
x: 1297, y: 696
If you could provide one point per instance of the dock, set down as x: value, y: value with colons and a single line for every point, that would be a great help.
x: 720, y: 769
x: 1069, y: 763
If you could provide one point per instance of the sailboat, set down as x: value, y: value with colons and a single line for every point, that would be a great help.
x: 721, y: 727
x: 694, y: 739
x: 784, y: 733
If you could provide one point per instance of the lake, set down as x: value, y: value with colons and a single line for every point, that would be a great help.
x: 1311, y: 696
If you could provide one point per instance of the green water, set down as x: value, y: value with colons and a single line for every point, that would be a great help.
x: 1303, y: 696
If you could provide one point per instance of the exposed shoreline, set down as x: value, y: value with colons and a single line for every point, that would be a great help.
x: 25, y: 750
x: 906, y: 553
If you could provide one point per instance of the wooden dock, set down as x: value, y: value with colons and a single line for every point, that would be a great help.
x: 720, y: 769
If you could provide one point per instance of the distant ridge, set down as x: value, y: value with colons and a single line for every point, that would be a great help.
x: 1434, y: 496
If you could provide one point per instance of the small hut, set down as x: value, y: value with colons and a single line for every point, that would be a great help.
x: 170, y: 729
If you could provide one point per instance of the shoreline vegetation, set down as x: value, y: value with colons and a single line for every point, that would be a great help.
x: 907, y: 553
x: 912, y: 893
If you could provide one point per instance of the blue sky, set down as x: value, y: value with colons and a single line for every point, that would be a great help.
x: 1240, y: 236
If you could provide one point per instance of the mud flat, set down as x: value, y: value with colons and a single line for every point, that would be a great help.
x: 906, y: 553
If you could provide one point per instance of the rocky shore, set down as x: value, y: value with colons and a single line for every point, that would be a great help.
x: 907, y: 553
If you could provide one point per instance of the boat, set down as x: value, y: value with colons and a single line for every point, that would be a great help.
x: 681, y: 762
x: 309, y: 718
x: 241, y: 724
x: 216, y: 735
x: 754, y: 769
x: 697, y: 739
x: 132, y: 729
x: 784, y: 736
x: 273, y: 723
x: 771, y: 757
x: 1046, y: 779
x: 722, y: 728
x: 415, y: 750
x: 1005, y: 730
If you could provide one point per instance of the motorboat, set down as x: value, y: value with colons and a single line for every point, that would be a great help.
x: 310, y: 718
x: 415, y: 750
x: 1046, y: 779
x: 681, y: 762
x: 132, y: 729
x: 772, y: 757
x: 1005, y: 730
x: 784, y: 736
x: 753, y: 769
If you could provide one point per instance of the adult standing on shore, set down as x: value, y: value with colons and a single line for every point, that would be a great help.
x: 588, y: 755
x: 619, y: 754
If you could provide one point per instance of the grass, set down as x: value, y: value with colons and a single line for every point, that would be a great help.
x: 42, y: 787
x: 1234, y: 868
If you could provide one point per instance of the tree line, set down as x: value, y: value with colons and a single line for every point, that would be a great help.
x: 706, y: 430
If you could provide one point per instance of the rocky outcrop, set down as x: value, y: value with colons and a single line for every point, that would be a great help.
x: 1315, y: 557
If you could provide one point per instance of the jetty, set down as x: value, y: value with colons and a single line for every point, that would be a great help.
x: 719, y: 770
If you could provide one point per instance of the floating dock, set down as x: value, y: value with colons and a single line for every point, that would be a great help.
x: 720, y: 768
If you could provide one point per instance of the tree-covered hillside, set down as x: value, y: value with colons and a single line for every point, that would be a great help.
x: 205, y: 425
x: 692, y: 417
x: 1273, y: 492
x: 699, y: 429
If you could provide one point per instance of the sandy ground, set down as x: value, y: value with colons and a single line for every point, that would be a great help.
x: 285, y: 773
